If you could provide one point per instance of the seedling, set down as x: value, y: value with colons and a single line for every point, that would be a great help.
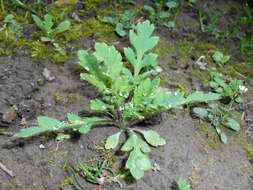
x: 191, y: 2
x: 130, y: 93
x: 246, y: 43
x: 122, y: 24
x: 211, y: 26
x: 220, y: 58
x: 218, y: 116
x: 46, y: 26
x: 182, y: 184
x: 232, y: 91
x: 12, y: 26
x: 160, y: 15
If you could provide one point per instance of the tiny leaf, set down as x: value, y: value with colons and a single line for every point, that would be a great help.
x: 233, y: 124
x: 112, y: 141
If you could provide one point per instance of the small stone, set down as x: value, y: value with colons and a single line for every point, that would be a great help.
x: 47, y: 75
x: 42, y: 146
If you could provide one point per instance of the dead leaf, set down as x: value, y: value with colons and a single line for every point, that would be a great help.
x: 9, y: 116
x: 76, y: 17
x: 201, y: 62
x: 23, y: 122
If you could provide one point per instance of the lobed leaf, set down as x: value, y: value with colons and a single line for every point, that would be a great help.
x: 153, y: 138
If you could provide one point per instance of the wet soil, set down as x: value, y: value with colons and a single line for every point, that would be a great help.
x: 192, y: 151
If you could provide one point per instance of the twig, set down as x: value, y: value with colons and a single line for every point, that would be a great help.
x: 6, y: 170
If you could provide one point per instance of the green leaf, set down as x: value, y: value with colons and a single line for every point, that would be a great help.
x: 171, y: 4
x: 142, y: 41
x: 84, y: 129
x: 48, y: 122
x: 223, y: 137
x: 170, y: 24
x: 149, y: 60
x: 153, y: 138
x: 98, y: 105
x: 142, y: 144
x: 137, y: 173
x: 239, y: 100
x: 138, y: 163
x: 167, y: 100
x: 61, y: 137
x: 109, y: 20
x: 128, y: 145
x: 135, y: 141
x: 150, y: 10
x: 219, y: 58
x: 48, y: 23
x: 201, y: 112
x: 38, y: 22
x: 165, y: 14
x: 182, y: 184
x: 112, y: 59
x: 199, y: 96
x: 120, y: 30
x: 233, y: 124
x: 129, y: 53
x: 32, y: 131
x: 62, y: 27
x: 112, y: 141
x: 73, y: 118
x: 92, y: 79
x: 90, y: 64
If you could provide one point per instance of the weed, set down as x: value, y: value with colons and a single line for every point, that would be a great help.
x: 182, y: 184
x: 12, y: 26
x: 232, y: 91
x: 220, y: 58
x: 218, y: 116
x: 121, y: 24
x: 46, y: 26
x: 129, y: 96
x: 161, y: 15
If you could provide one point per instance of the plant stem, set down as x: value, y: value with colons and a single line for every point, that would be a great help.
x: 2, y: 6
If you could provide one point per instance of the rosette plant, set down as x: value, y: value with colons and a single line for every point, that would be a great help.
x: 130, y: 93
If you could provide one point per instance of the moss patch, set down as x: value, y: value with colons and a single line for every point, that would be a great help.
x: 72, y: 98
x: 249, y: 150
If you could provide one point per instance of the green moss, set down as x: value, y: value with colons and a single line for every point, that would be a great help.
x: 163, y: 48
x: 72, y: 98
x: 45, y: 51
x: 249, y: 150
x: 211, y: 141
x: 91, y: 5
x: 163, y: 80
x: 57, y: 97
x: 203, y: 76
x: 103, y: 32
x: 9, y: 42
x: 75, y: 32
x: 186, y: 47
x: 58, y: 57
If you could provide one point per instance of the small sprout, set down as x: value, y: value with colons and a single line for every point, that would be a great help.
x: 220, y: 58
x: 182, y: 184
